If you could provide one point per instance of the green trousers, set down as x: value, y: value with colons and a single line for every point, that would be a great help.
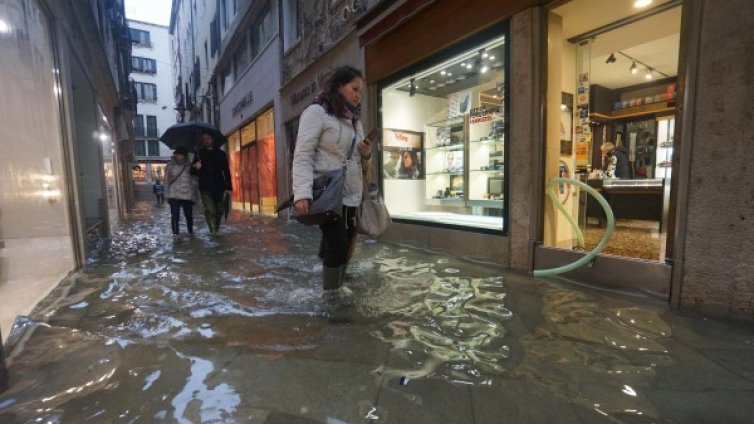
x: 214, y: 208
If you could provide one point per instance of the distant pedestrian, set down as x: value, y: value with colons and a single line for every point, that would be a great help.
x: 331, y: 136
x: 159, y: 192
x: 180, y: 190
x: 211, y: 165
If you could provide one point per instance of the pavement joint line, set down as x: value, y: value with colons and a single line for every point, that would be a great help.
x: 714, y: 361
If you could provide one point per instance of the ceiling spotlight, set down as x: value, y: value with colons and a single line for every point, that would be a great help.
x: 450, y: 74
x: 431, y: 81
x: 649, y: 74
x: 485, y: 69
x: 412, y: 88
x: 485, y: 55
x: 563, y: 106
x: 443, y: 72
x: 611, y: 58
x: 469, y: 66
x: 633, y: 68
x: 642, y: 3
x: 492, y: 57
x: 463, y: 63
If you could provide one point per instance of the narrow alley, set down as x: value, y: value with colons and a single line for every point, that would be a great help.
x: 234, y: 329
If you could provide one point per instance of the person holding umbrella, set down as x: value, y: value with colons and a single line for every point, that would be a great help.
x: 212, y: 167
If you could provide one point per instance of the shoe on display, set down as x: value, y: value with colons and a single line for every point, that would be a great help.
x: 665, y: 164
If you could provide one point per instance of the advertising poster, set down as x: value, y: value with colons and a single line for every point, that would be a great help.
x: 582, y: 154
x: 402, y: 155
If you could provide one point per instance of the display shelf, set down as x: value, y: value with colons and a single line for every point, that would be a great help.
x: 488, y: 171
x: 487, y: 203
x: 447, y: 148
x: 456, y: 122
x: 446, y: 173
x: 453, y: 201
x: 493, y: 142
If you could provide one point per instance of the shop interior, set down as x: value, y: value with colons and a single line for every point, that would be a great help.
x: 443, y: 141
x: 611, y: 103
x: 251, y: 151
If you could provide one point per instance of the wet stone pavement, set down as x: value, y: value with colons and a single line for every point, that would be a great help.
x: 234, y: 329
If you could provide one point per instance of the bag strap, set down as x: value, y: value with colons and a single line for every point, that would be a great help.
x: 179, y: 175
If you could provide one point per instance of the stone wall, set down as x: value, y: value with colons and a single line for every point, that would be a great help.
x: 718, y: 256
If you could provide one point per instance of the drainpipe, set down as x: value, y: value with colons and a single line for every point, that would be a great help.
x: 3, y: 368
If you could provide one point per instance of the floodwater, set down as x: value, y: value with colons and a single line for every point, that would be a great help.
x: 235, y: 329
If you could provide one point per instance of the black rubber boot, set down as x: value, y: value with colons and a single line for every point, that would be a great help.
x: 3, y: 369
x: 332, y: 277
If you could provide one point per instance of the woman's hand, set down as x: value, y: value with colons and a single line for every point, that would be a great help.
x: 198, y: 165
x: 302, y: 206
x: 365, y: 148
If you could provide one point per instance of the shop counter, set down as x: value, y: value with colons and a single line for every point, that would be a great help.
x: 630, y: 199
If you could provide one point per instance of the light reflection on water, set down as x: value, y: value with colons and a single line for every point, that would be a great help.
x: 162, y: 329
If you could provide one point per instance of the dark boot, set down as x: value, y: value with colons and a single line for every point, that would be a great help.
x: 332, y: 277
x: 176, y: 225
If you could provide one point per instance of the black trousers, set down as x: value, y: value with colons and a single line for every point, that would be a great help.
x: 338, y: 239
x: 175, y: 214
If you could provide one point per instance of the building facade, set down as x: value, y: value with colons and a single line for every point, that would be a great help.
x: 152, y: 76
x: 66, y: 95
x: 479, y: 121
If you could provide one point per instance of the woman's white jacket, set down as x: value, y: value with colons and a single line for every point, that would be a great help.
x: 322, y: 145
x: 180, y: 183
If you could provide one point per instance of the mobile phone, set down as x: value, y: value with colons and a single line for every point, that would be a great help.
x: 372, y: 136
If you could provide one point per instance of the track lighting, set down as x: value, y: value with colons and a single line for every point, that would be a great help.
x: 649, y: 75
x: 633, y: 68
x: 611, y: 58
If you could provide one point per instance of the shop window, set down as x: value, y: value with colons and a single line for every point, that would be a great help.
x: 444, y: 138
x: 248, y: 133
x: 611, y: 102
x: 139, y: 172
x: 157, y: 171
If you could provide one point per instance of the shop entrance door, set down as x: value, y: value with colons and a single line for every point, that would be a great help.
x: 250, y: 178
x: 612, y: 90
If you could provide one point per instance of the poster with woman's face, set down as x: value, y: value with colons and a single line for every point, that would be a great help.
x: 402, y: 155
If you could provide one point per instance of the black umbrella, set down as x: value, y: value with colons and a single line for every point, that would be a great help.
x: 189, y: 135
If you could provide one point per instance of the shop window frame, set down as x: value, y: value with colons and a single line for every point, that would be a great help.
x: 501, y: 29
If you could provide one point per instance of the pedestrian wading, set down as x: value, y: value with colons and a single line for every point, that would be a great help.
x: 211, y: 165
x: 180, y: 190
x: 328, y: 130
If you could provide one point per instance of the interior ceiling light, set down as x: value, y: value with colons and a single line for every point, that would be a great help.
x: 492, y: 57
x: 443, y: 72
x: 642, y: 3
x: 563, y: 107
x: 450, y: 74
x: 633, y: 68
x: 431, y: 81
x: 469, y: 66
x: 485, y: 55
x: 485, y: 69
x: 611, y: 58
x: 649, y: 75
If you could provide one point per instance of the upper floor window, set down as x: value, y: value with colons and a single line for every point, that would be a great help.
x: 139, y: 126
x: 261, y: 31
x: 145, y: 91
x: 144, y: 65
x: 151, y: 126
x: 227, y: 12
x: 241, y: 58
x: 291, y: 22
x: 140, y: 38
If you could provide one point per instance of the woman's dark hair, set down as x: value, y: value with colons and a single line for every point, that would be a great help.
x: 333, y: 101
x: 408, y: 172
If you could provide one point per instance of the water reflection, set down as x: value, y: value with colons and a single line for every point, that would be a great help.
x: 222, y: 329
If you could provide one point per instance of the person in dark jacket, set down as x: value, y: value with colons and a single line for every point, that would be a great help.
x: 211, y: 165
x: 615, y: 161
x: 159, y: 192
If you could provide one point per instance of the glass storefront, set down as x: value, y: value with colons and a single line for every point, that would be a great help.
x: 611, y: 104
x: 251, y: 150
x: 443, y: 141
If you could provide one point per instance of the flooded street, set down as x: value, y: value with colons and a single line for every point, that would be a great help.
x: 234, y: 329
